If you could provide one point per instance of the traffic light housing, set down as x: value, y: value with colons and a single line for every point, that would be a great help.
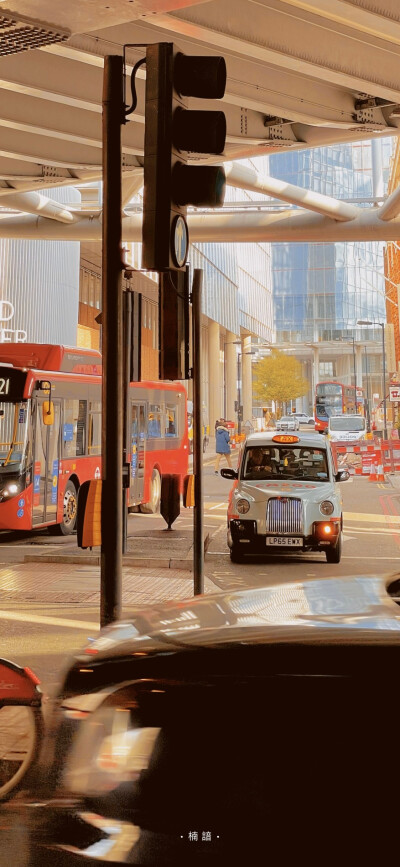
x: 172, y: 133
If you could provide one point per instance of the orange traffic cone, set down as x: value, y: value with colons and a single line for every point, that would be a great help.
x: 373, y: 474
x: 381, y: 474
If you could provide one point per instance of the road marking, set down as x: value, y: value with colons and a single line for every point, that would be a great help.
x: 370, y: 557
x: 371, y: 518
x: 217, y: 506
x: 368, y: 531
x: 49, y: 621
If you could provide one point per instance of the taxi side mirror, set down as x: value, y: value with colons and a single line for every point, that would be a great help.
x: 48, y: 412
x: 228, y: 473
x: 342, y: 476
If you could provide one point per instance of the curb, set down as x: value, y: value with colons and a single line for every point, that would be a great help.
x: 127, y: 560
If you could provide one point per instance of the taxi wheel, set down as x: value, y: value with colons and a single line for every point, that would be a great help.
x: 235, y: 556
x: 333, y: 555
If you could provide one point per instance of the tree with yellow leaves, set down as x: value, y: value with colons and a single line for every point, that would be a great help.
x: 278, y: 377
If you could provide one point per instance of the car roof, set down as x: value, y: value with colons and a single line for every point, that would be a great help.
x: 304, y: 439
x: 349, y: 610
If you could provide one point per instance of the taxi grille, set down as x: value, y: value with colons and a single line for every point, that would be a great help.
x: 284, y: 515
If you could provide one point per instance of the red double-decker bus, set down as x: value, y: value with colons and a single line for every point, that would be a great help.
x: 334, y: 398
x: 50, y: 432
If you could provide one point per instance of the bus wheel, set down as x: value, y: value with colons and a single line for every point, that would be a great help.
x: 153, y: 504
x: 70, y: 505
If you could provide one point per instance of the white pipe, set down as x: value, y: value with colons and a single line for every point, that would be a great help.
x: 390, y: 208
x: 249, y: 179
x: 35, y: 203
x: 255, y: 227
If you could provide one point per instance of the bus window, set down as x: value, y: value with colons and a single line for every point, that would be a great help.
x: 154, y: 421
x: 74, y: 428
x: 171, y: 427
x: 94, y: 434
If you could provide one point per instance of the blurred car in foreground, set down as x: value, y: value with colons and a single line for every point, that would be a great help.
x: 288, y: 422
x: 226, y: 728
x: 285, y: 497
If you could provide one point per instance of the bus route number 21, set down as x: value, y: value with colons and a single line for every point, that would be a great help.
x: 4, y: 386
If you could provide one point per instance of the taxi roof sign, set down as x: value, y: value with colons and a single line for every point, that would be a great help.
x: 285, y: 438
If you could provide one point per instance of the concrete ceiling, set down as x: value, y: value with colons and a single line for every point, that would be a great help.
x: 301, y: 73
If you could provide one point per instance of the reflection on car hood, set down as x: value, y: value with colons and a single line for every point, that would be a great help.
x: 316, y: 491
x: 335, y: 610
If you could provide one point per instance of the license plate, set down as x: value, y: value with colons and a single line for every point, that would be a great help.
x: 287, y: 541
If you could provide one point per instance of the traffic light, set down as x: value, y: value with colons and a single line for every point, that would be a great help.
x: 172, y: 133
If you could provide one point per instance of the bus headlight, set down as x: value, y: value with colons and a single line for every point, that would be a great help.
x: 9, y: 490
x: 326, y: 507
x: 242, y: 506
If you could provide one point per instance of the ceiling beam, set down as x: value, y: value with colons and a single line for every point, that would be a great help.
x: 298, y: 226
x: 249, y: 179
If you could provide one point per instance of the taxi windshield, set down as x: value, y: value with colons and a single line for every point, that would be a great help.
x: 13, y: 435
x: 294, y: 462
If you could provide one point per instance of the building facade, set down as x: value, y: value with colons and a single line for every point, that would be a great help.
x: 321, y: 291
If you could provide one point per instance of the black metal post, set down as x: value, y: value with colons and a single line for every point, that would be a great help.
x: 127, y: 361
x: 112, y: 388
x: 385, y: 434
x: 198, y: 521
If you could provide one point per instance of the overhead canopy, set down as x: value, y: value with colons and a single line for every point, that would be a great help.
x: 301, y: 73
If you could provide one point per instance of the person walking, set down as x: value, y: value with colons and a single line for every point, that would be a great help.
x: 222, y: 444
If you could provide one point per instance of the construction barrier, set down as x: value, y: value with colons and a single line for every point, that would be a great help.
x: 358, y: 456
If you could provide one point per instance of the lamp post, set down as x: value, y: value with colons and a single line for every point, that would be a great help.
x: 367, y: 377
x: 382, y: 325
x: 355, y: 375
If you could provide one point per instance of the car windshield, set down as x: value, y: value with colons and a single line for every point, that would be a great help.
x: 297, y: 462
x: 344, y: 423
x: 287, y: 418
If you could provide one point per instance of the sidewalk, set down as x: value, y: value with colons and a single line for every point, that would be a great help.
x: 52, y: 583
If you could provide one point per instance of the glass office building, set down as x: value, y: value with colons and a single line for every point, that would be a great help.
x: 321, y: 290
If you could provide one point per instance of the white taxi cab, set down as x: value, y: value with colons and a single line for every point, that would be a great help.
x: 285, y: 497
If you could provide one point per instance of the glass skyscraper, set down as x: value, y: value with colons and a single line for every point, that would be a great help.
x: 321, y: 290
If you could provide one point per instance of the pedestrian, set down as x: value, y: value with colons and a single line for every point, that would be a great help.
x: 222, y: 444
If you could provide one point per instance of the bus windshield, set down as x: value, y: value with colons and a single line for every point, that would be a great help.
x: 13, y: 434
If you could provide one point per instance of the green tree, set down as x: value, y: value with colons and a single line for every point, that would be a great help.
x: 278, y: 377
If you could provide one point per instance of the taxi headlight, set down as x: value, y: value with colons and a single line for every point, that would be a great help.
x: 326, y: 507
x: 242, y: 506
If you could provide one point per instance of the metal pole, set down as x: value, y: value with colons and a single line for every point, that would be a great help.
x: 126, y: 431
x: 367, y: 378
x: 238, y: 393
x: 198, y: 521
x: 112, y: 387
x: 355, y: 377
x: 385, y: 434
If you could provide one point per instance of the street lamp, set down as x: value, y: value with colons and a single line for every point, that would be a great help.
x: 382, y: 325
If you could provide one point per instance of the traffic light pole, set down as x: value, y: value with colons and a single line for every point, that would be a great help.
x: 112, y: 383
x: 198, y: 522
